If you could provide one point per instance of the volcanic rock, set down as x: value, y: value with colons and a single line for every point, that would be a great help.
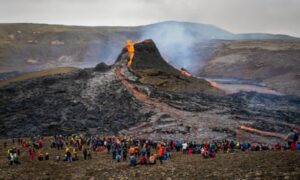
x: 101, y: 67
x: 153, y: 70
x: 148, y: 99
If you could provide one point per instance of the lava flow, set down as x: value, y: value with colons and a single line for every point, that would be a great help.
x: 185, y: 72
x: 214, y: 84
x: 145, y: 99
x: 130, y: 49
x: 262, y: 133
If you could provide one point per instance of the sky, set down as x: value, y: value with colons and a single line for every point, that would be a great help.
x: 236, y: 16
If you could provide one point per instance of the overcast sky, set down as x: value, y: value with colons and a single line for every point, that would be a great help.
x: 237, y: 16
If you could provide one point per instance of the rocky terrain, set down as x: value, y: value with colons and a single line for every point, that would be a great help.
x: 273, y: 62
x: 149, y: 98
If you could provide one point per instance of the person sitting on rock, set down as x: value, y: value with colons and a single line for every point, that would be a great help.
x: 277, y: 147
x: 133, y: 160
x: 152, y: 159
x: 118, y: 157
x: 143, y: 159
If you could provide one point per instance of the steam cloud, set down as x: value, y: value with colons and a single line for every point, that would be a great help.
x: 174, y: 42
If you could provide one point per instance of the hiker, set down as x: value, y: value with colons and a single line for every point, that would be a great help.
x: 89, y: 154
x: 204, y: 153
x: 13, y: 156
x: 74, y: 152
x: 152, y: 159
x: 113, y: 151
x: 277, y: 147
x: 46, y: 156
x: 148, y: 151
x: 190, y: 151
x: 133, y: 161
x: 184, y: 147
x: 161, y: 153
x: 85, y: 153
x: 4, y: 144
x: 118, y: 156
x: 40, y: 155
x: 68, y: 154
x: 31, y: 153
x: 292, y: 138
x: 143, y: 159
x: 178, y: 145
x: 108, y: 146
x: 124, y: 153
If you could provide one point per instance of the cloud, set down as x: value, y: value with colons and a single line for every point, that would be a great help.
x: 238, y: 16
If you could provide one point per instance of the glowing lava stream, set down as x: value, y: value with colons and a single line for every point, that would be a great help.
x: 130, y: 49
x: 262, y: 133
x: 144, y: 98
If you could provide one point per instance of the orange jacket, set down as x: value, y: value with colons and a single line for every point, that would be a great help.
x: 161, y: 151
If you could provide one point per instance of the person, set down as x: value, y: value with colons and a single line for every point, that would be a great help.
x: 204, y: 152
x: 31, y: 153
x: 89, y: 154
x: 291, y: 137
x: 161, y: 153
x: 133, y: 161
x: 152, y: 159
x: 124, y: 154
x: 74, y: 152
x: 118, y: 157
x: 85, y: 153
x: 295, y: 139
x: 13, y: 156
x: 143, y: 159
x: 68, y: 154
x: 190, y: 151
x: 40, y: 155
x: 148, y: 151
x: 184, y: 147
x: 178, y: 145
x: 47, y: 156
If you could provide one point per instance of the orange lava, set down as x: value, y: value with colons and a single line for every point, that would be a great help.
x: 145, y: 99
x: 214, y: 84
x: 262, y: 133
x: 185, y: 72
x: 130, y: 49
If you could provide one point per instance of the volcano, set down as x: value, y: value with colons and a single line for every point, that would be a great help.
x: 142, y: 95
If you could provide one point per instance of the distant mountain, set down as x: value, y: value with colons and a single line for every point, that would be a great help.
x: 28, y: 47
x: 263, y: 36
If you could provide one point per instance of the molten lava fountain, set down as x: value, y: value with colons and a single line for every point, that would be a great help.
x: 130, y: 49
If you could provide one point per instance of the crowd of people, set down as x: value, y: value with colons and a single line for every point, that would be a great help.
x: 134, y: 150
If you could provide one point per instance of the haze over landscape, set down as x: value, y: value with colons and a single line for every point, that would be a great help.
x: 237, y: 16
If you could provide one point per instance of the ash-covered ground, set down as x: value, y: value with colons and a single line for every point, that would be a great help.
x: 149, y: 98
